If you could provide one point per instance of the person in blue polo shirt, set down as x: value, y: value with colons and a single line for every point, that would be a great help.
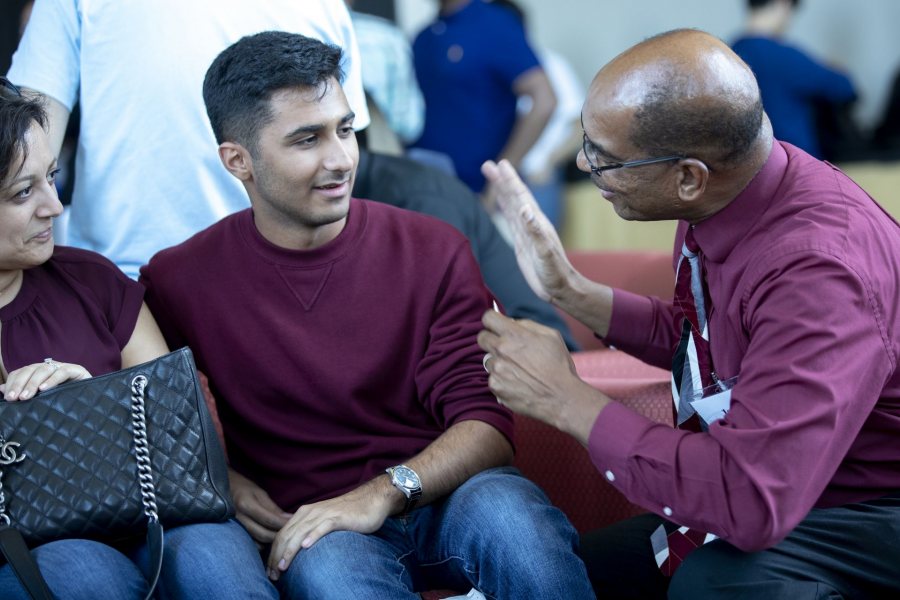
x: 790, y: 81
x: 472, y: 64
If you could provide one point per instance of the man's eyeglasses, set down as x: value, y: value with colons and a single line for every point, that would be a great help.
x: 590, y: 155
x: 6, y: 83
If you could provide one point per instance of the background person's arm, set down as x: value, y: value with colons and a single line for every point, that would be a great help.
x: 529, y: 126
x: 58, y: 119
x: 48, y: 61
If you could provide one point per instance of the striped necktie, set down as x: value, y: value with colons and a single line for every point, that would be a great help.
x: 692, y: 372
x: 692, y: 368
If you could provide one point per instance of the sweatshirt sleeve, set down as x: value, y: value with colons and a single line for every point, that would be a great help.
x: 450, y: 377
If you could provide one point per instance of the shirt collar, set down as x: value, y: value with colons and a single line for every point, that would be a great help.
x: 720, y: 233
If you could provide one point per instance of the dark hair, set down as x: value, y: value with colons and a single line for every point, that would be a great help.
x: 760, y: 3
x: 241, y: 80
x: 669, y: 122
x: 17, y: 114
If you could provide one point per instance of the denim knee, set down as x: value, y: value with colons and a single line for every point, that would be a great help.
x: 346, y: 564
x: 212, y: 560
x: 522, y: 545
x: 513, y: 507
x: 77, y: 569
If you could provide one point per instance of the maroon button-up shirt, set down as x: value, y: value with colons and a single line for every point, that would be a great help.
x: 803, y: 269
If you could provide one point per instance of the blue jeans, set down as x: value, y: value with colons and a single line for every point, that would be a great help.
x: 205, y: 560
x: 497, y: 532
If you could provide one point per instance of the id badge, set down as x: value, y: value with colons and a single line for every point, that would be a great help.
x: 714, y: 402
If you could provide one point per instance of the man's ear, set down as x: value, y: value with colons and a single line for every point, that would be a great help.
x: 693, y: 175
x: 237, y: 160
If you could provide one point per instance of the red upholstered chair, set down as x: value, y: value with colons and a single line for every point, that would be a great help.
x: 643, y: 272
x: 555, y: 461
x: 561, y: 466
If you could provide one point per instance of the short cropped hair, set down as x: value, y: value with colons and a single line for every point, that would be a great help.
x: 242, y: 79
x: 668, y: 122
x: 18, y: 113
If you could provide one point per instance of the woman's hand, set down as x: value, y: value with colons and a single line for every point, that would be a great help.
x: 24, y: 383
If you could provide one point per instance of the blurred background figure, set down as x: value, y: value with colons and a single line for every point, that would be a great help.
x: 24, y: 16
x: 544, y: 167
x: 421, y: 182
x: 886, y: 136
x: 473, y: 63
x: 389, y: 77
x: 791, y: 82
x: 147, y: 175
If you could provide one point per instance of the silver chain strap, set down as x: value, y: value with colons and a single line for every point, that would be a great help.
x: 142, y: 448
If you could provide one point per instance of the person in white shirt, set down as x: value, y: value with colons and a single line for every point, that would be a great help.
x: 147, y: 175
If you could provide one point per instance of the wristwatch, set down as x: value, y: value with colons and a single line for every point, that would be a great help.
x: 407, y: 481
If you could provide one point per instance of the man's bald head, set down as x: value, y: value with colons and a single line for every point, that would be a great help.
x: 688, y: 94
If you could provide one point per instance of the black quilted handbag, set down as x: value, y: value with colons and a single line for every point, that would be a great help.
x: 108, y: 458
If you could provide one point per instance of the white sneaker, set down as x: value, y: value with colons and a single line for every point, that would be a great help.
x: 472, y: 595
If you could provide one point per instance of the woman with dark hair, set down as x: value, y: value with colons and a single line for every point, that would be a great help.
x: 68, y: 314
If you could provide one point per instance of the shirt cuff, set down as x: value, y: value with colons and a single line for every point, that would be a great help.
x: 613, y: 438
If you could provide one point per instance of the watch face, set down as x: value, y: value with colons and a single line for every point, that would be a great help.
x: 406, y: 477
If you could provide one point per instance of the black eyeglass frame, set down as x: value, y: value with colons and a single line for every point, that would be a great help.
x: 621, y: 165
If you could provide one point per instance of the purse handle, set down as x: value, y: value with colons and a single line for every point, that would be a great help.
x: 13, y: 546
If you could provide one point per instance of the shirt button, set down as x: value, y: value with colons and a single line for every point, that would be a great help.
x: 610, y: 476
x: 667, y: 511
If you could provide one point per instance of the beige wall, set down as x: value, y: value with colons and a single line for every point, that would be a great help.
x: 590, y: 223
x: 881, y: 180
